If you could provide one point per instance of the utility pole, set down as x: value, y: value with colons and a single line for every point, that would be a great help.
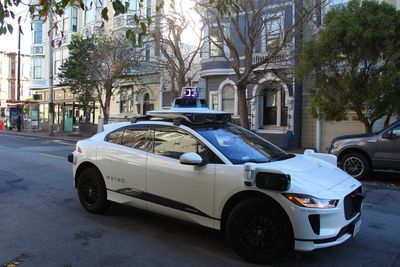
x: 19, y: 65
x: 51, y: 103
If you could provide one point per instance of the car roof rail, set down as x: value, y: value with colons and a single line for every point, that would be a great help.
x: 135, y: 119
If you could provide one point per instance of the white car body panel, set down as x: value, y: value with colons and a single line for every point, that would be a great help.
x: 123, y: 167
x: 192, y: 185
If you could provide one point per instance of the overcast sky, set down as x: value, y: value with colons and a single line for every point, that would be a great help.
x: 9, y: 42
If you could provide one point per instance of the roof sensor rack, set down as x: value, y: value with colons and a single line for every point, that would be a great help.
x: 189, y: 108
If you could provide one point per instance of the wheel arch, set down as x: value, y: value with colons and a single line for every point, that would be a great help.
x: 243, y: 195
x: 83, y: 166
x: 354, y: 150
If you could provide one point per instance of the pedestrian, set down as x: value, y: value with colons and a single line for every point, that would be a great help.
x: 19, y: 122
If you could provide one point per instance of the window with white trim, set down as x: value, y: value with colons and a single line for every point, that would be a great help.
x: 88, y: 15
x: 228, y: 98
x: 37, y: 68
x: 74, y: 19
x: 37, y: 32
x: 274, y: 29
x: 126, y: 99
x: 134, y: 5
x: 216, y: 42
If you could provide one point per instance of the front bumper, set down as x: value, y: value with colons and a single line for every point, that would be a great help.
x: 344, y: 234
x: 320, y: 228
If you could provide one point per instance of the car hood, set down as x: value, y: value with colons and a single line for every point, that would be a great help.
x: 352, y: 136
x: 307, y: 172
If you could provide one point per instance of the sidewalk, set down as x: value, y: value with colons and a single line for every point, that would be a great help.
x: 45, y: 134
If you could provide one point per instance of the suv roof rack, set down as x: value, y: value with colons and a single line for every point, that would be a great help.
x: 188, y: 108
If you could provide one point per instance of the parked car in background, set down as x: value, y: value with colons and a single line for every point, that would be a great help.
x: 359, y: 154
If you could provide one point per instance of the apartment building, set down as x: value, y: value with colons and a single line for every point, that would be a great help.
x: 136, y: 96
x: 9, y: 82
x: 274, y: 95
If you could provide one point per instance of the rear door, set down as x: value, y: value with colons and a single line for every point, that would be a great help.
x: 123, y: 160
x: 389, y: 150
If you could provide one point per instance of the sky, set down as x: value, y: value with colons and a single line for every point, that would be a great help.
x: 9, y: 42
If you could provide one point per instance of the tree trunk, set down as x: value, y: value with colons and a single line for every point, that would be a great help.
x: 367, y: 127
x: 243, y: 114
x: 387, y: 120
x: 106, y: 110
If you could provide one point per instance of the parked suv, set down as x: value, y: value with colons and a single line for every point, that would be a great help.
x: 360, y: 153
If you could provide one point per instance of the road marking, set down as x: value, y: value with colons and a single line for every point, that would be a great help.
x: 50, y: 155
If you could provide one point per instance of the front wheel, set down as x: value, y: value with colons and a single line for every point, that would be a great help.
x: 259, y: 231
x: 92, y: 191
x: 356, y: 164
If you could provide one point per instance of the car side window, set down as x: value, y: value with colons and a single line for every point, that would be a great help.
x: 136, y: 138
x: 173, y: 143
x: 396, y: 131
x: 115, y: 137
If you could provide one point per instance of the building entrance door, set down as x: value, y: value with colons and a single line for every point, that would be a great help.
x: 68, y: 119
x: 270, y: 107
x: 275, y: 108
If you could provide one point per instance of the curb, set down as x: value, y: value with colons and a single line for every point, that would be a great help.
x: 63, y: 138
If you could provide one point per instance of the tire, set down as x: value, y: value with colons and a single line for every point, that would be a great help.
x: 355, y: 164
x: 92, y: 191
x: 259, y: 231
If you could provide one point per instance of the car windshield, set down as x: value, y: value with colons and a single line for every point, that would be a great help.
x: 239, y: 145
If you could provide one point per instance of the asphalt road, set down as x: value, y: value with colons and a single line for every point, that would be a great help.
x: 43, y: 224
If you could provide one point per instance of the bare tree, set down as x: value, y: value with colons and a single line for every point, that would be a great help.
x: 112, y: 64
x: 236, y: 28
x: 177, y: 56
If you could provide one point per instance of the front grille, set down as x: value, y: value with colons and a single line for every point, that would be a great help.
x: 352, y: 203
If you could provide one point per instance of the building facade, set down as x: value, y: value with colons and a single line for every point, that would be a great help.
x: 274, y: 96
x: 138, y: 93
x: 9, y: 82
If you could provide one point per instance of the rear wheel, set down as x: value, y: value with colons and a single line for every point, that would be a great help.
x: 356, y: 164
x: 92, y: 191
x: 259, y: 231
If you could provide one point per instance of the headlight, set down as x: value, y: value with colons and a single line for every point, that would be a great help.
x: 308, y: 201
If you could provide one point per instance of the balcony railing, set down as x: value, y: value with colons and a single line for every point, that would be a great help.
x: 282, y: 58
x: 124, y: 20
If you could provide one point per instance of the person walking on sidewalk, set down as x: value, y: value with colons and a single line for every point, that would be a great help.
x: 19, y: 122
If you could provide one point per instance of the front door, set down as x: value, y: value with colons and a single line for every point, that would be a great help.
x: 182, y: 191
x: 270, y: 108
x: 389, y: 150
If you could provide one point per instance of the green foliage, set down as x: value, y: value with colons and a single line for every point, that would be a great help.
x: 75, y: 71
x: 355, y: 63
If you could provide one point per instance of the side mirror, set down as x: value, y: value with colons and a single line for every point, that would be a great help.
x: 387, y: 135
x: 191, y: 158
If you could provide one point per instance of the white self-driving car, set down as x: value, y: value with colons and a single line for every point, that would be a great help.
x: 191, y: 163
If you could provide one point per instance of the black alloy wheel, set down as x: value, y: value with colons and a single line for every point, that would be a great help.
x: 92, y: 191
x: 259, y: 231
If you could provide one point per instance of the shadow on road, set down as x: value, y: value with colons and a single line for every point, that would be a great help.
x: 388, y: 178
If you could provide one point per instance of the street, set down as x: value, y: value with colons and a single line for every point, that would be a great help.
x: 43, y: 224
